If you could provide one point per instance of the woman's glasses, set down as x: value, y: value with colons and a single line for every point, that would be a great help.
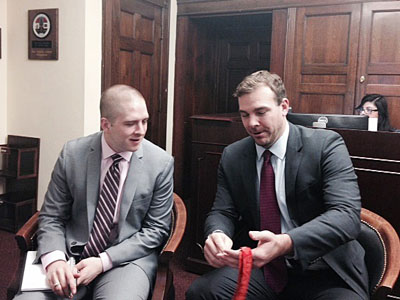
x: 366, y: 110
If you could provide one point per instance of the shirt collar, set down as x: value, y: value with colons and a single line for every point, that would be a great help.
x: 278, y: 148
x: 107, y: 151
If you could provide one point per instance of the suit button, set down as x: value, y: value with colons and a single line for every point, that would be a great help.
x: 73, y: 243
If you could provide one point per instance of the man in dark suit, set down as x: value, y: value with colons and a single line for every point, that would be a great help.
x: 124, y: 267
x: 313, y: 253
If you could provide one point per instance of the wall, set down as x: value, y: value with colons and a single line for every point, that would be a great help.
x: 171, y: 75
x: 3, y: 71
x: 54, y: 100
x: 3, y: 80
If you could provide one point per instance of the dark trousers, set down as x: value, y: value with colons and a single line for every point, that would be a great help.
x: 309, y: 285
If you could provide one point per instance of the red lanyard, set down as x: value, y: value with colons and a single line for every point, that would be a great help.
x: 245, y: 266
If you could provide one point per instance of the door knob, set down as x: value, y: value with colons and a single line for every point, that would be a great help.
x: 362, y: 79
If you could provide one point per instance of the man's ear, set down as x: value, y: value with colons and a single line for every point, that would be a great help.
x: 285, y: 106
x: 105, y: 124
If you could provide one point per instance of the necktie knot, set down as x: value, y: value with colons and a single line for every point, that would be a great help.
x: 267, y: 156
x: 116, y: 158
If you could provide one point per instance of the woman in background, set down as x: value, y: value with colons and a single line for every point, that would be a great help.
x: 375, y: 106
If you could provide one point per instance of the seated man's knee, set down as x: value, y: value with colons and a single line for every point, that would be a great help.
x: 197, y: 288
x: 217, y: 284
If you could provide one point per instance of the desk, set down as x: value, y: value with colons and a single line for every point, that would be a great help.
x: 375, y: 155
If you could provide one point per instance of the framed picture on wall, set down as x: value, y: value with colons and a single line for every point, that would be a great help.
x: 43, y: 34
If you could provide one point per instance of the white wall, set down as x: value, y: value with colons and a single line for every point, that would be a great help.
x: 58, y: 100
x: 54, y: 100
x: 93, y: 56
x: 3, y: 71
x: 3, y: 81
x: 171, y: 75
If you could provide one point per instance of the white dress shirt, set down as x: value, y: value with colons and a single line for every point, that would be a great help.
x: 278, y: 149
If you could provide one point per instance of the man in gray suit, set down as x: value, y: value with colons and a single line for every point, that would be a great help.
x: 318, y: 208
x: 126, y: 267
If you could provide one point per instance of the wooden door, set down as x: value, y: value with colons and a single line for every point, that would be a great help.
x: 325, y: 59
x: 135, y: 52
x: 243, y: 47
x: 379, y: 64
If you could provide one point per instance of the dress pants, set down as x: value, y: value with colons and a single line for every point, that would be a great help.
x: 126, y: 282
x: 309, y: 285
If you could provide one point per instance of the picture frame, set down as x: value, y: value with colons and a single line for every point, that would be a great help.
x: 43, y: 34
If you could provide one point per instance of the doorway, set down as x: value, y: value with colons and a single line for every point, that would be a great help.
x: 214, y: 53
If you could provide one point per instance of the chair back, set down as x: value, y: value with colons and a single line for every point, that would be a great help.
x: 382, y: 253
x: 375, y: 254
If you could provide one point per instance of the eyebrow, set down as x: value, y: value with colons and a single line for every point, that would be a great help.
x: 256, y: 109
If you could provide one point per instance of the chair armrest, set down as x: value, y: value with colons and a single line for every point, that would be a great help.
x: 25, y: 234
x: 178, y: 230
x: 164, y: 279
x: 163, y: 286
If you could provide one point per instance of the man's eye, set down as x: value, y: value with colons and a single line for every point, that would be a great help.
x: 260, y: 113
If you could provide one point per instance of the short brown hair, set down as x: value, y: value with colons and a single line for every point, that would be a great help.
x: 261, y: 78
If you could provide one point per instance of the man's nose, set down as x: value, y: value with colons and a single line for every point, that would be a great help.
x: 140, y: 129
x: 253, y: 121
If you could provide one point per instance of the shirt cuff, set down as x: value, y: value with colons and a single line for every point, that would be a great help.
x: 51, y: 257
x: 106, y: 261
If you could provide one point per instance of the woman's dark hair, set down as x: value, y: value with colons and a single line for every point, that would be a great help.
x: 383, y: 112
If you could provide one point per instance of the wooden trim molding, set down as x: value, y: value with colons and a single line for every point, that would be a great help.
x: 197, y: 7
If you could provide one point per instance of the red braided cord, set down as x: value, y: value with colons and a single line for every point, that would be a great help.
x: 245, y: 266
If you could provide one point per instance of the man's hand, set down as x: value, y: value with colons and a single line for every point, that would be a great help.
x: 61, y: 278
x: 215, y: 247
x: 89, y: 269
x: 269, y: 247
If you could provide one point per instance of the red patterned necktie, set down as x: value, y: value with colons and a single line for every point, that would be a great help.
x: 103, y: 220
x: 275, y: 271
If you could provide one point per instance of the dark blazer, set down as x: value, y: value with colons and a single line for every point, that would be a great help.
x: 322, y: 197
x: 66, y: 218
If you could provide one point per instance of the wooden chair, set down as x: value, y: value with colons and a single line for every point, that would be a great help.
x: 382, y: 253
x: 164, y: 286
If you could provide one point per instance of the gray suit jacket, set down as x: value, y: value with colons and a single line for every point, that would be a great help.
x: 322, y: 197
x: 67, y: 215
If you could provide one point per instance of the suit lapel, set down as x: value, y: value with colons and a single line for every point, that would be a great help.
x: 293, y: 159
x: 131, y: 182
x: 250, y: 180
x: 93, y: 179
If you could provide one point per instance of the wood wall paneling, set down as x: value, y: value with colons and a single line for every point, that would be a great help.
x: 278, y: 42
x: 210, y: 134
x: 213, y: 55
x: 135, y: 47
x: 380, y: 54
x: 325, y: 59
x: 290, y: 47
x: 183, y: 76
x: 243, y: 46
x: 207, y: 7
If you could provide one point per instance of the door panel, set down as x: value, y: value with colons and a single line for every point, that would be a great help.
x: 243, y: 46
x: 380, y: 55
x: 134, y: 54
x: 325, y: 59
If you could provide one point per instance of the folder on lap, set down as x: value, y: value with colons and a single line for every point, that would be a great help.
x: 34, y: 277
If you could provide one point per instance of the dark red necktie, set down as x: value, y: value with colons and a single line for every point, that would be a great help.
x: 275, y: 272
